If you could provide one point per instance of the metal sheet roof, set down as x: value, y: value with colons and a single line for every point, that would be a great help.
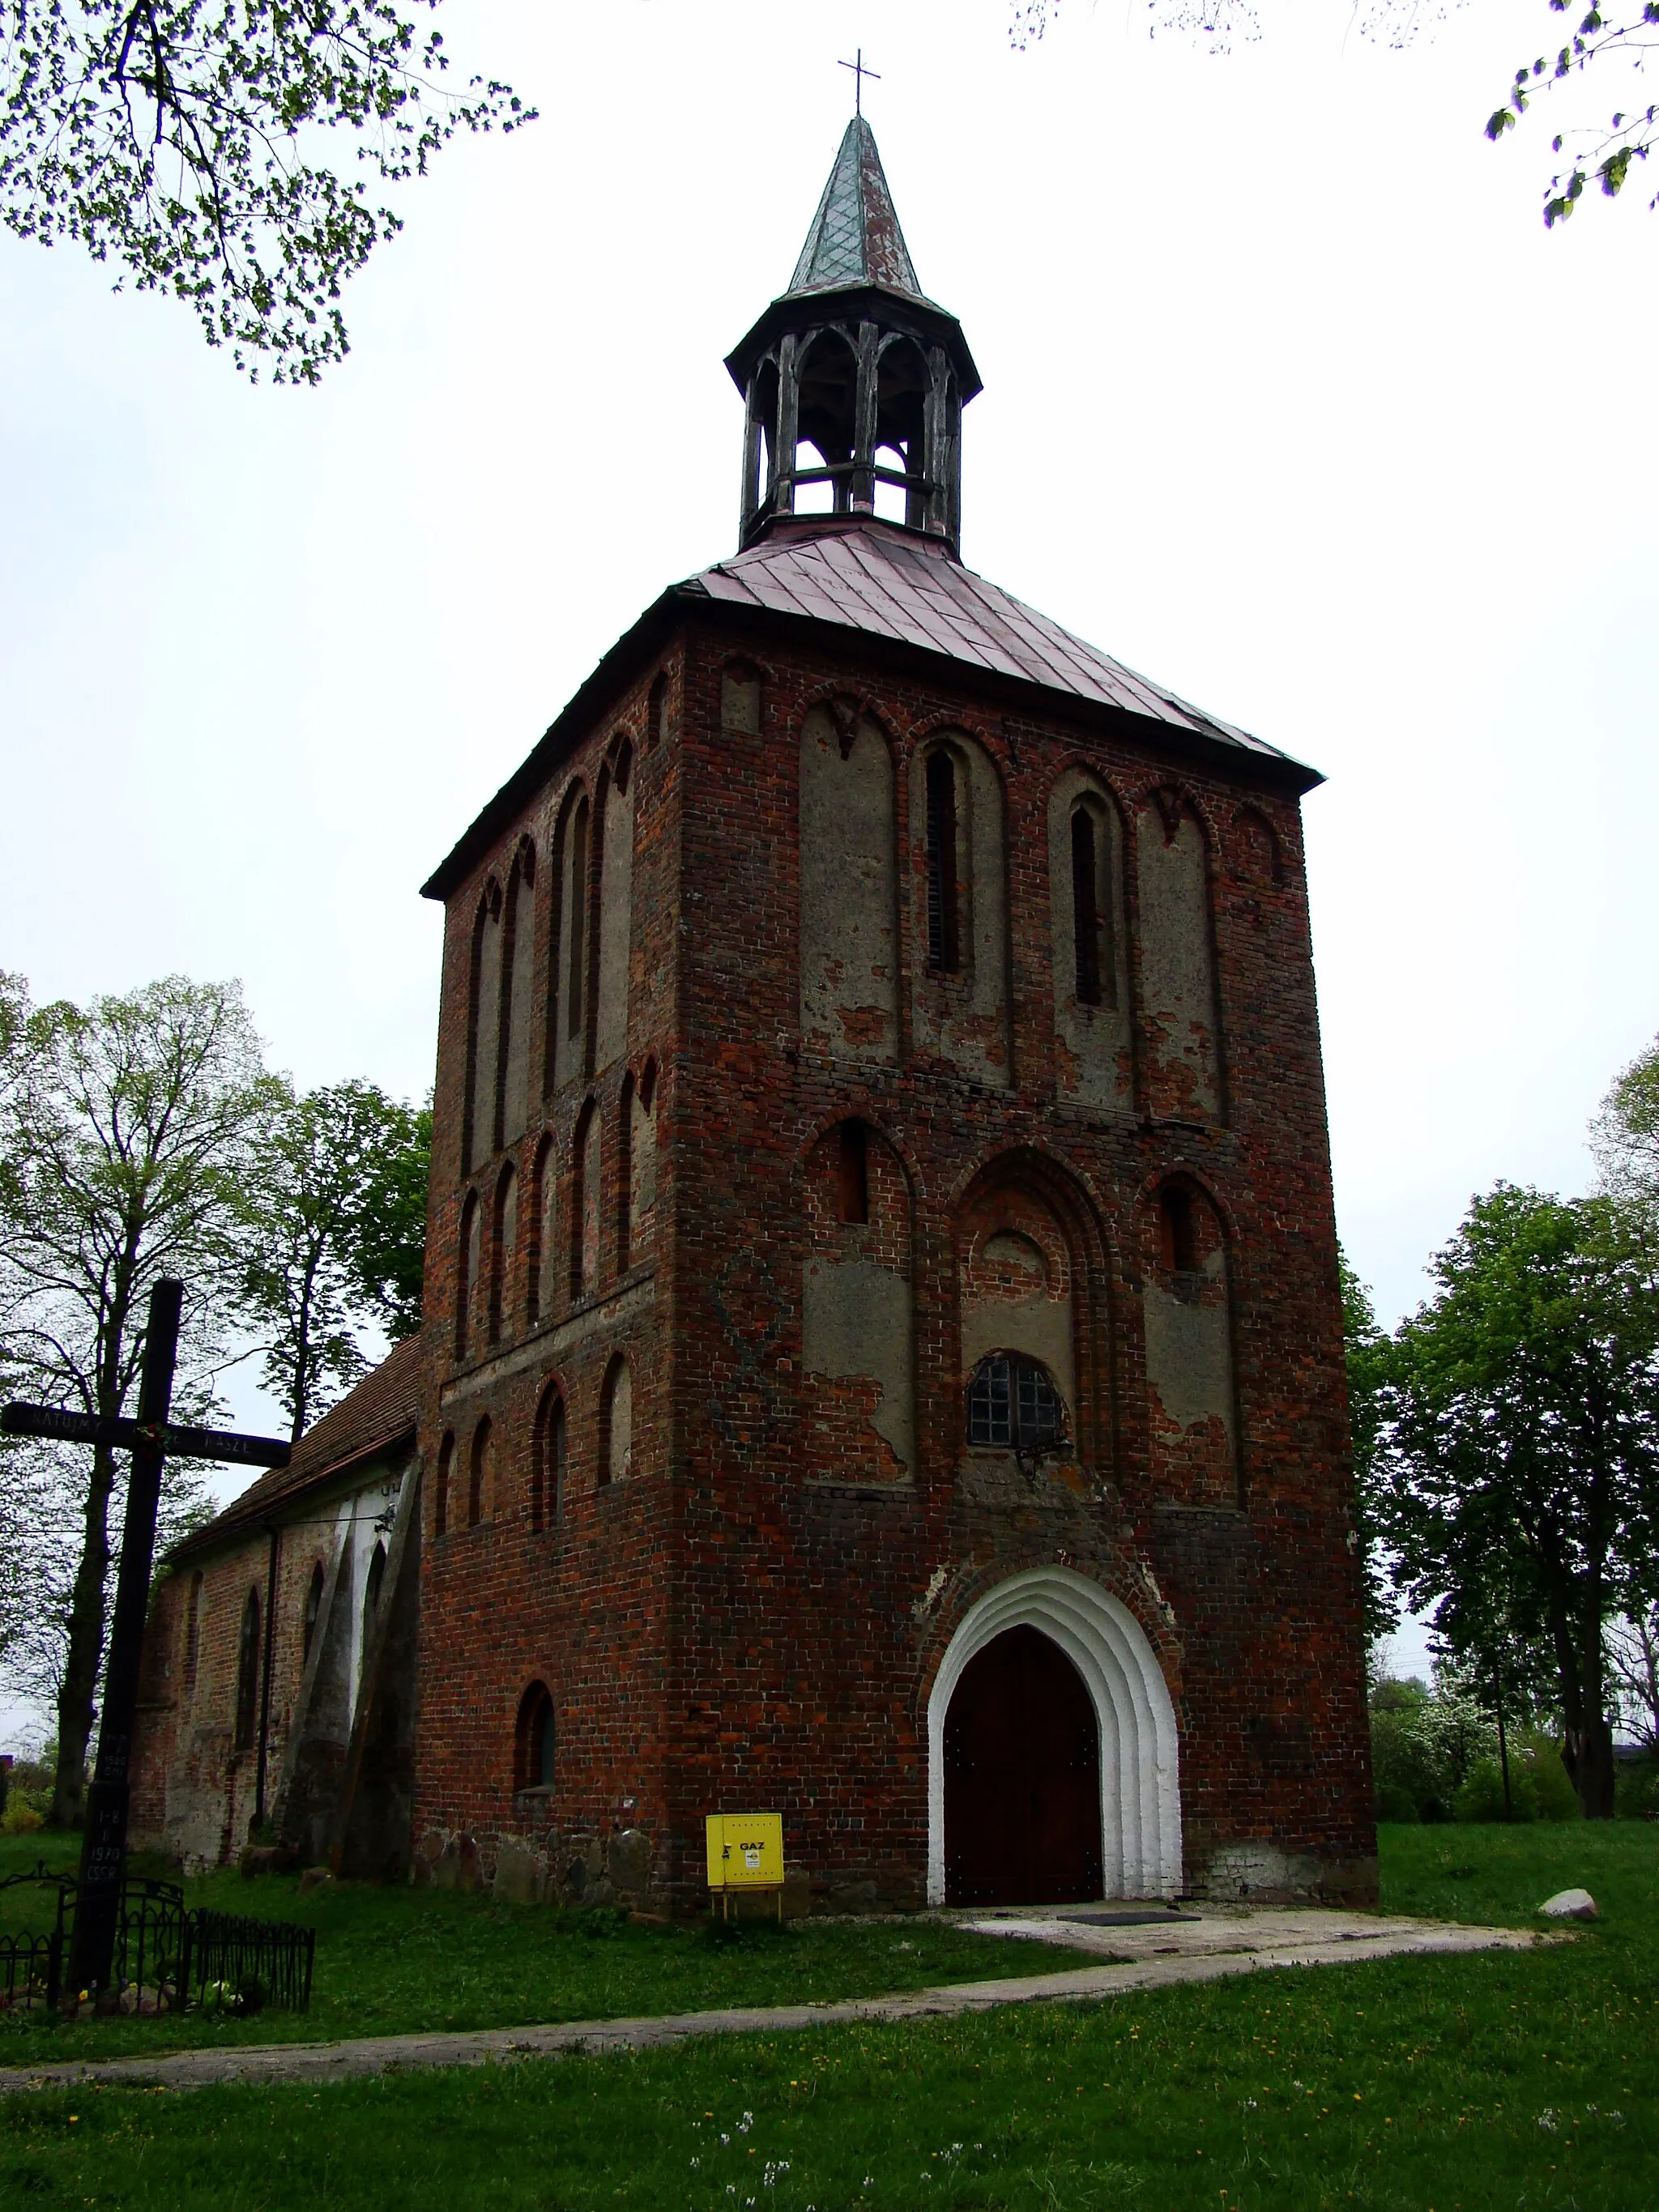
x: 889, y: 582
x: 855, y: 237
x: 875, y: 578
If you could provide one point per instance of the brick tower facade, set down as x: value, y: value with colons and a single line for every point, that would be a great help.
x: 884, y: 1353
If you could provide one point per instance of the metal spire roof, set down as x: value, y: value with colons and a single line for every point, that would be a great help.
x: 855, y: 237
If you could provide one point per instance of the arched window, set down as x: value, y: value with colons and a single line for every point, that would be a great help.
x: 480, y: 1482
x: 482, y: 1034
x: 901, y: 394
x: 504, y: 1250
x: 517, y: 969
x: 536, y: 1740
x: 1095, y: 954
x: 313, y: 1606
x: 1013, y: 1405
x: 1259, y: 858
x: 1087, y: 847
x: 1174, y: 1223
x: 826, y: 423
x: 614, y: 834
x: 584, y: 1204
x: 740, y: 699
x: 1186, y: 1307
x: 944, y: 869
x: 1177, y: 962
x: 193, y: 1634
x: 445, y: 1478
x: 656, y: 714
x: 617, y: 1424
x: 623, y: 1194
x: 247, y: 1673
x: 541, y: 1264
x: 547, y: 1469
x: 852, y: 1172
x: 850, y: 938
x: 466, y: 1273
x: 576, y: 1005
x: 641, y: 1179
x: 372, y: 1581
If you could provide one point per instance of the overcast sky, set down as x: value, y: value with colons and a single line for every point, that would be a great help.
x: 1290, y: 402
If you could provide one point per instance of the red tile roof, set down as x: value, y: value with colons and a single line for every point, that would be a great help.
x: 380, y: 1411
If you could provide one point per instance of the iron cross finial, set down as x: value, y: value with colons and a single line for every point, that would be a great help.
x: 859, y: 73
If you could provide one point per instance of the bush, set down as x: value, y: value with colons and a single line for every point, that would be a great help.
x: 1636, y: 1790
x: 21, y: 1817
x: 1540, y: 1788
x: 1481, y: 1797
x: 1424, y: 1745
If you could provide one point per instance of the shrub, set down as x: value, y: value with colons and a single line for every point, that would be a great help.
x: 1540, y: 1788
x: 1395, y: 1803
x: 1423, y: 1746
x: 1636, y: 1790
x: 21, y: 1817
x: 1481, y: 1797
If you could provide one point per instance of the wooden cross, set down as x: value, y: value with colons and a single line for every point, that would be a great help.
x: 859, y: 73
x: 149, y: 1438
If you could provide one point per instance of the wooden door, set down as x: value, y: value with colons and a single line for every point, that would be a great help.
x: 1022, y: 1778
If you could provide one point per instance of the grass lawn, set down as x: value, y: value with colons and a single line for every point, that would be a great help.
x: 1442, y: 2085
x: 393, y: 1961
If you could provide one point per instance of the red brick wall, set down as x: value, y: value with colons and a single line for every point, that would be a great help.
x: 731, y: 1625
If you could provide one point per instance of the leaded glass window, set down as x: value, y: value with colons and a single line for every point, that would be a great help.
x: 1012, y: 1404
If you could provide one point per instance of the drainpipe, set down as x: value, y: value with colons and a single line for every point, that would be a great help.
x: 264, y: 1686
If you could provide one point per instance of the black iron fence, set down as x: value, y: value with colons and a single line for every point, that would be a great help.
x: 167, y: 1958
x: 31, y: 1965
x: 245, y: 1964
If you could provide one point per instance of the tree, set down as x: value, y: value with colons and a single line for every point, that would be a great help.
x: 1520, y: 1453
x: 1625, y: 1139
x: 389, y: 1255
x: 336, y: 1223
x: 1605, y: 151
x: 1366, y: 1348
x: 177, y: 136
x: 1633, y: 1663
x: 125, y: 1135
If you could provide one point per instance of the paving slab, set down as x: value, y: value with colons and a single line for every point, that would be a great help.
x: 1152, y: 1955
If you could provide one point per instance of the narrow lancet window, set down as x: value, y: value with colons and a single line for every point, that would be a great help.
x: 944, y: 933
x: 1085, y: 906
x: 577, y: 990
x: 1176, y: 1229
x: 853, y: 1178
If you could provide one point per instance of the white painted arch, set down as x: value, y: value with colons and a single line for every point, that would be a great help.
x: 1139, y: 1784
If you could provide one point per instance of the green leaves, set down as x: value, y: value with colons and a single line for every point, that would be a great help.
x: 180, y: 137
x: 1607, y: 155
x: 334, y: 1218
x: 1516, y: 1474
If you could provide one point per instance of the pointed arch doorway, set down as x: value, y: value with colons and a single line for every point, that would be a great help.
x: 1138, y: 1786
x: 1022, y: 1778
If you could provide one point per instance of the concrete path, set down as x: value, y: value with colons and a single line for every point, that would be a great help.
x: 1189, y: 1950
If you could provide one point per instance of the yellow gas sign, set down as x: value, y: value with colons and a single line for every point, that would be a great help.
x: 745, y: 1851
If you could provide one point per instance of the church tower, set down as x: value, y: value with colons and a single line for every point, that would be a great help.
x: 882, y: 1358
x: 882, y: 1277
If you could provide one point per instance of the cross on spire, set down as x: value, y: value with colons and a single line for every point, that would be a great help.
x: 859, y: 73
